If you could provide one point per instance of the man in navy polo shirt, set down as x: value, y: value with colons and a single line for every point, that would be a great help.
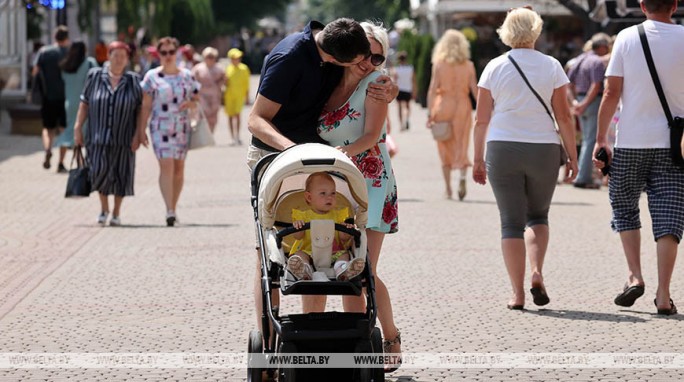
x: 297, y: 79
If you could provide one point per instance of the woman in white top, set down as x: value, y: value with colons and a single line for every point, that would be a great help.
x: 523, y: 148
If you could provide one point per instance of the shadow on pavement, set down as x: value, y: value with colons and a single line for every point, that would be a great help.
x: 470, y: 201
x: 587, y: 316
x: 572, y: 204
x: 183, y: 225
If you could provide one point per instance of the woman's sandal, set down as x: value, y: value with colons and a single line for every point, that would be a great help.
x: 667, y: 311
x: 387, y: 347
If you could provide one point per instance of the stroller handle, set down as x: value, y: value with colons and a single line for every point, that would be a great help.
x: 338, y: 227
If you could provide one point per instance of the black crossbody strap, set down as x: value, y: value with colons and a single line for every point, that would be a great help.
x: 654, y: 74
x: 531, y: 88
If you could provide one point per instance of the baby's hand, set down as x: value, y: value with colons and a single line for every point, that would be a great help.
x: 349, y: 225
x: 297, y: 224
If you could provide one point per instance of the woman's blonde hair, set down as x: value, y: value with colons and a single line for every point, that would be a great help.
x: 210, y: 52
x: 379, y: 34
x: 453, y: 47
x: 521, y: 27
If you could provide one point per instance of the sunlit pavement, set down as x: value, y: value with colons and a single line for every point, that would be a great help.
x: 70, y: 286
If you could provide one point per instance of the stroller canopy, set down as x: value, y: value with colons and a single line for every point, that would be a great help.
x: 306, y: 159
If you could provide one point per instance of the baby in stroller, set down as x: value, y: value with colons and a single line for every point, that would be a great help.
x: 320, y: 195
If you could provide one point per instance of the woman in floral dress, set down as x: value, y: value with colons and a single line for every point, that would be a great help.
x: 355, y: 124
x: 169, y: 93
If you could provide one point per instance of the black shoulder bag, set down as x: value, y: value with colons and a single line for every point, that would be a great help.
x: 676, y: 124
x: 564, y: 154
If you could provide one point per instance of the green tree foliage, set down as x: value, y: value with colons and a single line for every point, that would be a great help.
x: 387, y: 11
x: 419, y: 51
x: 231, y: 15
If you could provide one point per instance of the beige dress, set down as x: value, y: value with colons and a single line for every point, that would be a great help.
x: 451, y: 103
x: 211, y: 80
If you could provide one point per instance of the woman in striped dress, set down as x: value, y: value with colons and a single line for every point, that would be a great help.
x: 111, y: 101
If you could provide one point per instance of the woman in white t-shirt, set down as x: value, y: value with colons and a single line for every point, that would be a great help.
x: 523, y: 148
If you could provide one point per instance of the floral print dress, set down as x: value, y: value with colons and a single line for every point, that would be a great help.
x: 170, y: 127
x: 345, y: 125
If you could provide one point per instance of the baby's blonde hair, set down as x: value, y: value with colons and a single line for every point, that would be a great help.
x: 317, y: 175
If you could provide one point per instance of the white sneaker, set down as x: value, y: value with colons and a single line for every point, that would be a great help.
x: 115, y: 221
x: 102, y: 218
x: 301, y: 269
x: 347, y: 270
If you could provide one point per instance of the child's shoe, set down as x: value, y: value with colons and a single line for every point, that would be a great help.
x: 347, y: 270
x: 301, y: 269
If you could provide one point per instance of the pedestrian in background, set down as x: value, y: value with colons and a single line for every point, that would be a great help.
x: 169, y: 92
x: 75, y: 67
x: 586, y: 77
x: 237, y: 92
x: 453, y: 79
x: 111, y: 102
x: 523, y: 148
x: 405, y: 77
x: 46, y: 70
x: 101, y: 52
x: 641, y: 160
x: 211, y: 79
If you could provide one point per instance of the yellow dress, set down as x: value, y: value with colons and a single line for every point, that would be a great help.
x: 304, y: 244
x: 236, y: 91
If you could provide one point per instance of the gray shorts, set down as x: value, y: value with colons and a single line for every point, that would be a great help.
x: 523, y: 177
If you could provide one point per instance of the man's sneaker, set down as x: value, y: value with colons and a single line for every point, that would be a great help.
x: 347, y: 270
x: 115, y: 221
x: 102, y: 218
x: 61, y: 169
x: 301, y: 269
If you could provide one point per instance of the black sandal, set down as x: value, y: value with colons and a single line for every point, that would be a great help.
x: 540, y: 298
x: 629, y: 295
x: 667, y: 311
x: 387, y: 346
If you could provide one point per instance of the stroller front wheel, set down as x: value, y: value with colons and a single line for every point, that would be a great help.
x: 254, y: 346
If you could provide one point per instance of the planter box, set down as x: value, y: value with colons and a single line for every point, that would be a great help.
x: 26, y: 119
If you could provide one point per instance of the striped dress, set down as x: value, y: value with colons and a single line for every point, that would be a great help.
x: 112, y: 118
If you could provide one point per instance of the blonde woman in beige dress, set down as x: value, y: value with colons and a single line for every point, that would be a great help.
x: 211, y: 78
x: 453, y: 78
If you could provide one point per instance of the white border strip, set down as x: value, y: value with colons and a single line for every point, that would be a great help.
x: 342, y: 360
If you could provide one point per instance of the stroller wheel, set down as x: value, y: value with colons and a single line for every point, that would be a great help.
x: 254, y: 346
x: 376, y: 343
x: 287, y: 374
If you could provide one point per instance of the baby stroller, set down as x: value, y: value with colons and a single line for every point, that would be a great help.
x: 277, y: 187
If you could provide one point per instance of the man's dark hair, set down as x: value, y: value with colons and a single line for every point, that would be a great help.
x: 344, y: 39
x: 659, y: 6
x: 61, y: 33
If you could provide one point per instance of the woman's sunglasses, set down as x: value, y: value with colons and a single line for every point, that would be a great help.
x: 376, y: 59
x: 167, y: 52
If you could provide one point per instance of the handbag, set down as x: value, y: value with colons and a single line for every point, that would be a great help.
x: 78, y: 183
x: 675, y: 124
x: 563, y: 153
x: 200, y: 134
x: 441, y: 131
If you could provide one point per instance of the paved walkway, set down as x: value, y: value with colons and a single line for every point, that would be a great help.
x: 68, y: 286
